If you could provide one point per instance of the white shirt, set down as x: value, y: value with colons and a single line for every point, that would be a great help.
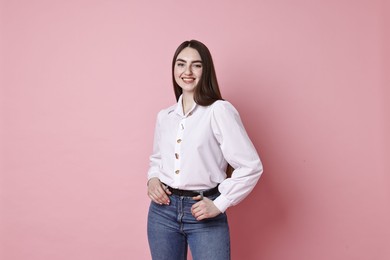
x: 191, y: 152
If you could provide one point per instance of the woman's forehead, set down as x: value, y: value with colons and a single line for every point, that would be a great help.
x: 189, y: 54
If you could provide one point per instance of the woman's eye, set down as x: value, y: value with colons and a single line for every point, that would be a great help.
x: 180, y: 64
x: 198, y: 66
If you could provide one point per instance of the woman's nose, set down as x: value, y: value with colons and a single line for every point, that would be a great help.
x: 188, y: 70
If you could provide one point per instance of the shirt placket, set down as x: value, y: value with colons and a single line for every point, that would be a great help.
x: 177, y: 155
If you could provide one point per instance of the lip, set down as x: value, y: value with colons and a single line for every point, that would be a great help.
x: 188, y: 79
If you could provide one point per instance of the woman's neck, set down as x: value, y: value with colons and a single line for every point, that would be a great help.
x: 188, y: 102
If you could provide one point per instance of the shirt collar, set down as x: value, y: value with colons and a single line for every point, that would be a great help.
x: 179, y: 107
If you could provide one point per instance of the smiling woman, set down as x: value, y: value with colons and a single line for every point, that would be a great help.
x: 80, y: 81
x: 208, y: 89
x: 187, y: 72
x: 195, y: 141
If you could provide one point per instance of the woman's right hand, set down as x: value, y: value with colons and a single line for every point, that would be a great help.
x: 158, y: 192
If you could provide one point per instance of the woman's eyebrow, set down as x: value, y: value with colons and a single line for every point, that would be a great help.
x: 195, y: 61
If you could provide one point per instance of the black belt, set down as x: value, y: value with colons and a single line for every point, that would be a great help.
x: 193, y: 193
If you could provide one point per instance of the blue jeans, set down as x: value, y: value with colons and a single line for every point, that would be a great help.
x: 171, y: 228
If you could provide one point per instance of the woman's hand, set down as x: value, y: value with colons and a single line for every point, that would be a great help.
x: 205, y: 208
x: 157, y: 192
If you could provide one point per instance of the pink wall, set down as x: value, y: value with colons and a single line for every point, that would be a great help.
x: 82, y: 81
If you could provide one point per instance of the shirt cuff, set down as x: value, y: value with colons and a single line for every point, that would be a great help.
x: 222, y: 203
x: 152, y: 175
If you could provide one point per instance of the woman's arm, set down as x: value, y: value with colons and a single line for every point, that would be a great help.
x: 238, y: 151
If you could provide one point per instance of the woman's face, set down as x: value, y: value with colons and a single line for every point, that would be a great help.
x: 188, y: 69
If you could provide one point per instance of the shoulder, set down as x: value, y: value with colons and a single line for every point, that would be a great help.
x: 225, y: 116
x: 223, y: 107
x: 166, y: 111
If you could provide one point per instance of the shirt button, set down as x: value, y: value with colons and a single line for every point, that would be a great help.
x: 177, y: 155
x: 178, y: 141
x: 177, y: 171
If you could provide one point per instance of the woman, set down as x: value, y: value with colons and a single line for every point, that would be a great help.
x: 195, y: 141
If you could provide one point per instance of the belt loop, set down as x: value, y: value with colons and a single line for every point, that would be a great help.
x: 201, y: 195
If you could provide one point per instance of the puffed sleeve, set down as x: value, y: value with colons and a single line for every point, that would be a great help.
x: 155, y: 158
x: 238, y: 151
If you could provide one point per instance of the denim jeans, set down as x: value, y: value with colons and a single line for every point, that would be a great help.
x: 171, y: 228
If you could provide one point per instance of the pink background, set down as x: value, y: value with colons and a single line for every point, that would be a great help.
x: 82, y: 81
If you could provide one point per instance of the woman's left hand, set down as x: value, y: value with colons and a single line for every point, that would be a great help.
x: 203, y: 209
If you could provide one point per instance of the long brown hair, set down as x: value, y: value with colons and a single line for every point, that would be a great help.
x: 207, y: 91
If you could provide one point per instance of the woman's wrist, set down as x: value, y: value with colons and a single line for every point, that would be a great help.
x: 147, y: 184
